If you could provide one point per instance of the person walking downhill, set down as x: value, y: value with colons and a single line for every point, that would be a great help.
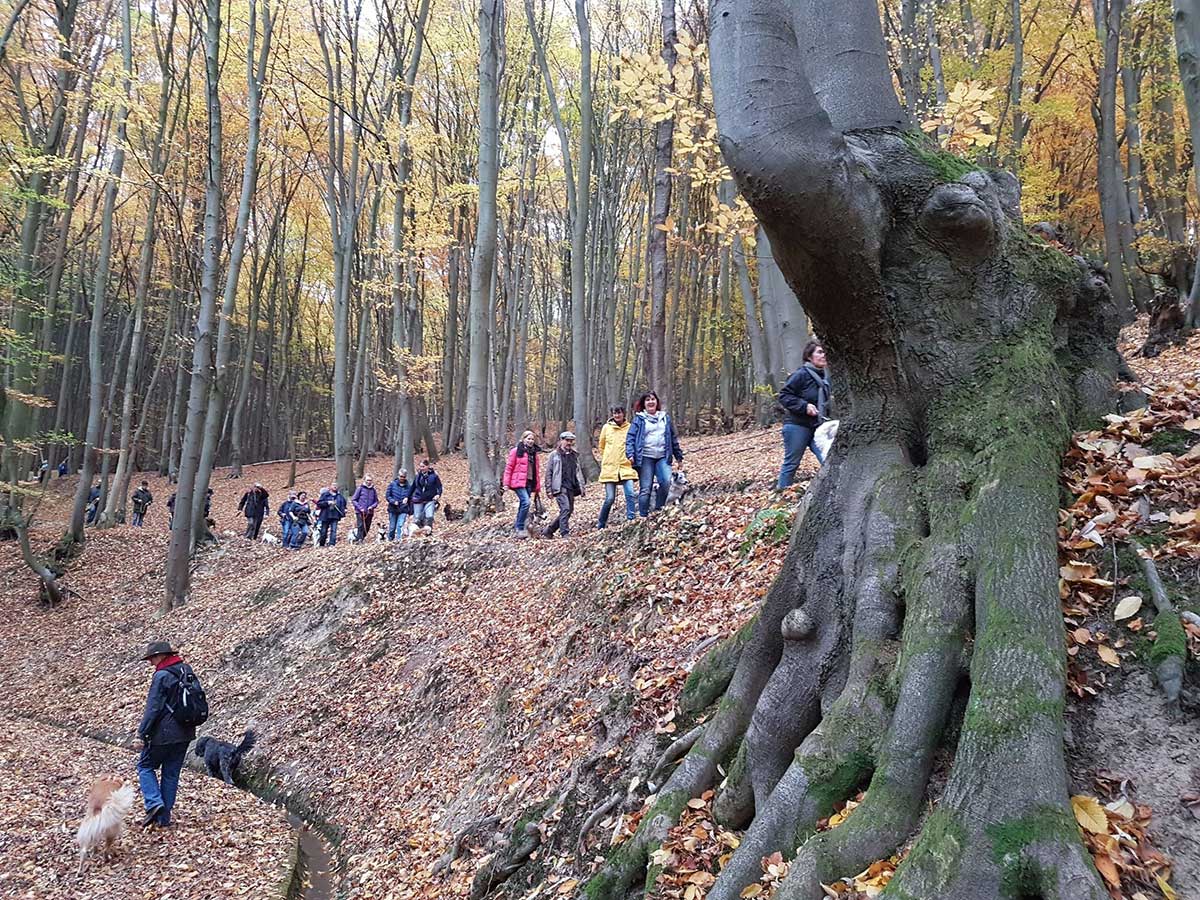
x: 564, y: 482
x: 285, y: 519
x: 521, y: 475
x: 166, y: 729
x: 651, y: 444
x: 365, y: 501
x: 255, y: 503
x: 331, y: 506
x: 300, y: 515
x: 141, y: 500
x: 615, y: 467
x: 426, y: 491
x: 399, y: 504
x: 805, y: 397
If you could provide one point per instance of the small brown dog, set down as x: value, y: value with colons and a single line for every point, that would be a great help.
x: 108, y: 803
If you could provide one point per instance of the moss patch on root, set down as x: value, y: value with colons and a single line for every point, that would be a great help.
x: 1171, y: 640
x: 937, y: 852
x: 1020, y: 874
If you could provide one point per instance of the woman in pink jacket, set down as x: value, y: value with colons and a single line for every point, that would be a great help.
x: 522, y: 476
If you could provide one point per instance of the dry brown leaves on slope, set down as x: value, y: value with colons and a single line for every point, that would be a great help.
x: 225, y: 843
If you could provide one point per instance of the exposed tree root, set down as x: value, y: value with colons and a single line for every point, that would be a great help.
x: 526, y: 838
x: 1170, y: 646
x: 441, y: 868
x: 676, y: 749
x: 595, y: 816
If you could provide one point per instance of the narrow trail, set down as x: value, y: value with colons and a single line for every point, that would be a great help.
x: 313, y: 866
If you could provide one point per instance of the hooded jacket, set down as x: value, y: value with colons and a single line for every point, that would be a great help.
x: 516, y: 470
x: 398, y: 496
x: 426, y: 487
x: 365, y: 498
x: 635, y: 439
x: 614, y: 464
x: 332, y: 506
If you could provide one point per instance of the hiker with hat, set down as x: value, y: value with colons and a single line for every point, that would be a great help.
x: 174, y: 707
x: 254, y: 503
x: 564, y: 482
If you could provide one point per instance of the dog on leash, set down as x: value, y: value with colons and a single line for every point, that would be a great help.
x: 221, y: 758
x: 678, y: 489
x: 108, y: 804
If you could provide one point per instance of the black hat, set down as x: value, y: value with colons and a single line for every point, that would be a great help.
x: 158, y: 648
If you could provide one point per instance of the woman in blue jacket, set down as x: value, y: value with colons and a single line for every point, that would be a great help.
x: 652, y: 444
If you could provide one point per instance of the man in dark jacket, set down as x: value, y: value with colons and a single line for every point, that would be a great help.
x: 399, y: 504
x: 164, y: 739
x: 285, y: 519
x: 331, y: 508
x: 805, y: 399
x: 93, y: 503
x: 255, y: 503
x: 141, y: 500
x: 426, y: 491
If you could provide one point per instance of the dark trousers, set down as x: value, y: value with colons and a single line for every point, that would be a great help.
x: 327, y: 531
x: 169, y: 758
x: 364, y: 523
x: 566, y: 506
x: 253, y: 524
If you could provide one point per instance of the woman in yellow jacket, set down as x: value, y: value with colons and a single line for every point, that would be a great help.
x: 615, y: 467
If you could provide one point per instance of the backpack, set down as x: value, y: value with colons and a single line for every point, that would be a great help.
x: 189, y: 704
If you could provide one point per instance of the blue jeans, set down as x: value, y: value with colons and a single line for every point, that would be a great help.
x: 298, y: 536
x: 395, y: 525
x: 328, y: 533
x: 610, y: 496
x: 285, y: 531
x: 648, y: 470
x: 795, y: 439
x: 522, y: 508
x: 168, y: 757
x: 137, y: 518
x: 424, y: 512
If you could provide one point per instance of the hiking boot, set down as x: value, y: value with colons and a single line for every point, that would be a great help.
x: 151, y: 815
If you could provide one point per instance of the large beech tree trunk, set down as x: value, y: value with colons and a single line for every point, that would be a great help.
x: 923, y: 561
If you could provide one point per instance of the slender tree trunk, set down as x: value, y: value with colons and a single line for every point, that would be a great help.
x: 1187, y: 49
x: 100, y: 287
x: 483, y: 487
x: 657, y: 361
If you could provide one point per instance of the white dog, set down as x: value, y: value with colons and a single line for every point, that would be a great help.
x: 109, y: 802
x: 825, y: 436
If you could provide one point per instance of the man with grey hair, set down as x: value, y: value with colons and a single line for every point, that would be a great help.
x: 255, y: 503
x: 564, y: 482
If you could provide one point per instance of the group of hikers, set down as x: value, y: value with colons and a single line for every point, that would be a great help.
x: 642, y: 450
x: 637, y: 457
x: 409, y: 502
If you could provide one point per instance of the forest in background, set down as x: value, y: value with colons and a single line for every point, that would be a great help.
x: 234, y: 232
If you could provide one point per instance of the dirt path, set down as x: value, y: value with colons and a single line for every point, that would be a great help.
x: 226, y: 843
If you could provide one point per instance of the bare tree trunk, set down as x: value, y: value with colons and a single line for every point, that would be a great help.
x: 100, y: 288
x: 483, y: 486
x: 187, y: 500
x: 657, y: 362
x: 1187, y: 49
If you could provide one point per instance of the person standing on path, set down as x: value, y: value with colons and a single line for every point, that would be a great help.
x: 285, y: 519
x: 300, y: 517
x: 164, y: 739
x: 805, y: 398
x: 331, y: 506
x: 254, y: 503
x: 651, y: 444
x: 522, y: 477
x: 365, y: 501
x: 615, y: 467
x: 564, y: 482
x: 141, y: 500
x: 426, y: 492
x: 399, y: 504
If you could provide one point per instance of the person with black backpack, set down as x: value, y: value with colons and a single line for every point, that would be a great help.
x: 175, y: 706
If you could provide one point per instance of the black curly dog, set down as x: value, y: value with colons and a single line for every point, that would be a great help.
x: 220, y: 757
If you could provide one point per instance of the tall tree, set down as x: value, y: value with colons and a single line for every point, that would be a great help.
x: 657, y: 363
x: 484, y: 485
x: 1187, y: 46
x: 942, y: 317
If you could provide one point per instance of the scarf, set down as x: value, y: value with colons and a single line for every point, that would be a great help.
x: 169, y: 661
x: 823, y: 388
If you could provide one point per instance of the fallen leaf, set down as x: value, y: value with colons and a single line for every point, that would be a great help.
x: 1127, y: 607
x: 1089, y: 814
x: 1109, y: 656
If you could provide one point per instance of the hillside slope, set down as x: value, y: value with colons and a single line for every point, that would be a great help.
x: 430, y: 695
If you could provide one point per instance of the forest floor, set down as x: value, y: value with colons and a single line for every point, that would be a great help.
x: 430, y: 694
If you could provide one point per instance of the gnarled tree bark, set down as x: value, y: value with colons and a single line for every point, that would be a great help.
x: 923, y: 560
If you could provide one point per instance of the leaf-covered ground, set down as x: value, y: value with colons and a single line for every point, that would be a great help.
x: 225, y: 843
x: 410, y: 692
